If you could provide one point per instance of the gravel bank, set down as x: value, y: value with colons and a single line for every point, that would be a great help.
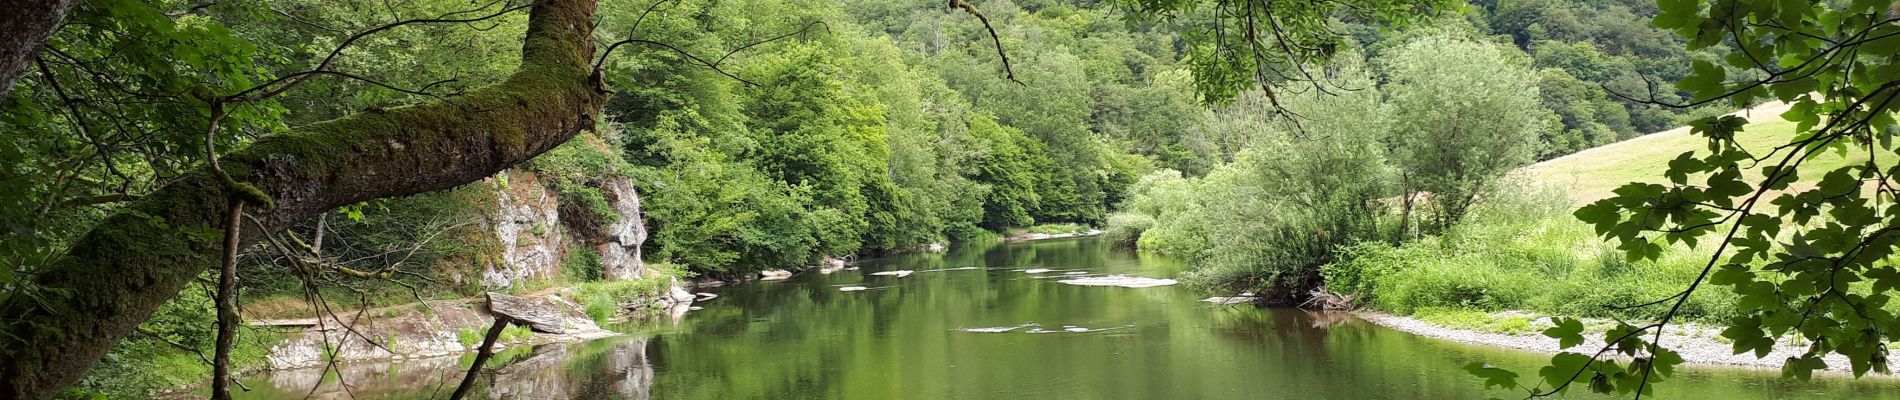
x: 1697, y: 344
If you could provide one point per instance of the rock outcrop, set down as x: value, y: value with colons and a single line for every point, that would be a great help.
x: 536, y: 230
x: 542, y: 315
x: 526, y: 223
x: 620, y: 255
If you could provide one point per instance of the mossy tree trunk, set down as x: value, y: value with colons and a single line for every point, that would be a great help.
x: 23, y: 31
x: 119, y: 273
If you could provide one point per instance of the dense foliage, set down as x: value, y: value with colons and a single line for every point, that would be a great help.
x: 1345, y: 168
x: 1354, y: 146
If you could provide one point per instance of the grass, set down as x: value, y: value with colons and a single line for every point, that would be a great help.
x: 604, y: 299
x: 1592, y: 174
x: 1521, y: 251
x: 279, y: 307
x: 1481, y: 321
x: 471, y: 337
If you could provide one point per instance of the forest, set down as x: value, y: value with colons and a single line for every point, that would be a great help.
x: 180, y: 180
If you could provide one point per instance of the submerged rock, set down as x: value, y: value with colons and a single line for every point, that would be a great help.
x: 774, y: 275
x: 1119, y: 280
x: 1071, y: 329
x: 998, y: 329
x: 830, y: 265
x: 898, y: 273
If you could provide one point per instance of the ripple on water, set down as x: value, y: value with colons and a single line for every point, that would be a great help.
x: 1036, y: 328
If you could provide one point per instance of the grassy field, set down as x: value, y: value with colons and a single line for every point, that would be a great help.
x: 1521, y: 251
x: 1592, y: 174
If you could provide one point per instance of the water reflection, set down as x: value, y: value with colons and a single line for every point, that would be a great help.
x: 612, y: 368
x: 910, y: 339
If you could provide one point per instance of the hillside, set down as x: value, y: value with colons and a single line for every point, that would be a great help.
x: 1592, y: 174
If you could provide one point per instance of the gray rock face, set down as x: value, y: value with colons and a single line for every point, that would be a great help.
x: 527, y: 224
x: 534, y: 234
x: 620, y: 253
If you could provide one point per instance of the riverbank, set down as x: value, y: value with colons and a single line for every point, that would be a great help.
x: 1698, y: 344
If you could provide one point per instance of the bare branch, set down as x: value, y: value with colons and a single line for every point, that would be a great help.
x: 1008, y: 72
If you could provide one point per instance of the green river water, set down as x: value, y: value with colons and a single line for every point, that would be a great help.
x: 907, y: 338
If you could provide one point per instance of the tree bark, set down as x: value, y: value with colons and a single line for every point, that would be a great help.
x: 115, y: 276
x: 24, y: 28
x: 227, y: 305
x: 481, y: 358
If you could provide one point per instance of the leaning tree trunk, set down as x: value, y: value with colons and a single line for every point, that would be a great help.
x: 114, y: 277
x: 24, y: 28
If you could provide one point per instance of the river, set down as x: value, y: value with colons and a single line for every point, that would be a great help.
x: 943, y: 333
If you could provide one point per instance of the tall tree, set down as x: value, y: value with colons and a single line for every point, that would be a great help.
x: 1466, y: 115
x: 23, y: 31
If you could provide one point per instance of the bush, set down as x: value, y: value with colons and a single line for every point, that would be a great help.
x: 603, y: 299
x: 582, y: 264
x: 1126, y: 228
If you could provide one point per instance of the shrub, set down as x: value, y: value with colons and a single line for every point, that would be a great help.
x: 1125, y: 228
x: 1521, y: 250
x: 582, y: 264
x: 470, y: 337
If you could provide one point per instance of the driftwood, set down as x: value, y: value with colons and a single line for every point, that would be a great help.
x: 1329, y: 300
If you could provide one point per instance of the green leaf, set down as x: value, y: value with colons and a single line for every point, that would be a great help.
x: 1802, y: 367
x: 1683, y: 165
x: 1705, y: 82
x: 1665, y: 361
x: 1732, y: 274
x: 1603, y: 214
x: 1563, y: 368
x: 1568, y: 332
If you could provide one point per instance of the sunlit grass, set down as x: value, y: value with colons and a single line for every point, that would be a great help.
x: 1593, y: 174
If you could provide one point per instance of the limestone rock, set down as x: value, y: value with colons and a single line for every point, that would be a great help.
x: 536, y: 314
x: 620, y: 252
x: 774, y: 275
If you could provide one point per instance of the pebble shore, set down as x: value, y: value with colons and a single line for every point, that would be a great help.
x: 1697, y: 344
